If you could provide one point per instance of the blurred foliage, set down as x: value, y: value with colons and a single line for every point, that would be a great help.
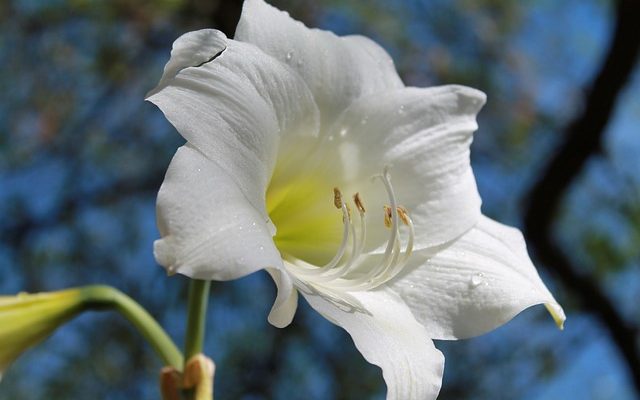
x: 81, y: 157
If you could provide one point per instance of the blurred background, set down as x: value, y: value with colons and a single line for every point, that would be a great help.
x: 557, y: 154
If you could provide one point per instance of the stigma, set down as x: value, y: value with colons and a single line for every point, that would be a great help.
x: 347, y: 270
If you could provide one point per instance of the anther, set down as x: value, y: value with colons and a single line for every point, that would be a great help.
x: 358, y: 203
x: 403, y: 214
x: 337, y: 198
x: 388, y: 217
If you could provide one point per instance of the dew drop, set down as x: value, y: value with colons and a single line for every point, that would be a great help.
x: 401, y: 110
x: 343, y: 131
x: 477, y: 280
x: 289, y: 55
x: 261, y: 248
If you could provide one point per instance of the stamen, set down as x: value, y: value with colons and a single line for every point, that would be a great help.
x: 388, y: 216
x: 403, y: 214
x: 337, y: 198
x: 371, y: 278
x: 363, y: 223
x: 399, y: 265
x: 358, y: 203
x: 393, y: 261
x: 330, y: 274
x: 347, y: 226
x: 356, y: 250
x: 386, y: 180
x: 409, y: 249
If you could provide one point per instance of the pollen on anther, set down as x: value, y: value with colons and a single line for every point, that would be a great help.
x: 358, y: 202
x: 388, y: 217
x: 337, y: 198
x: 403, y: 214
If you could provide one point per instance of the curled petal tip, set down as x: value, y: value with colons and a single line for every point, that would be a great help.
x: 171, y: 270
x: 557, y: 313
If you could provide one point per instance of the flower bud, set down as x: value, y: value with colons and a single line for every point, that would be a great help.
x: 27, y: 319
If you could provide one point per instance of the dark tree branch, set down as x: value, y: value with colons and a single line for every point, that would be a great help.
x: 583, y: 139
x: 222, y: 15
x: 227, y: 15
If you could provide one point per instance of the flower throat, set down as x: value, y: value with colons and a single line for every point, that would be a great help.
x: 309, y: 246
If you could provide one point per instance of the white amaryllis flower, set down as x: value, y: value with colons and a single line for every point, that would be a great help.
x: 306, y: 156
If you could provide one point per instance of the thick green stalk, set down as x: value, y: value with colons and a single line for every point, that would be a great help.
x: 100, y: 297
x: 196, y: 320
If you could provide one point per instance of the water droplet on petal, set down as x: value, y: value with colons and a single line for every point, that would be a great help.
x: 401, y: 110
x: 477, y: 280
x: 261, y: 248
x: 343, y: 131
x: 289, y: 55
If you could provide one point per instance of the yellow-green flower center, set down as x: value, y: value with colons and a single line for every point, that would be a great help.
x: 309, y: 227
x: 323, y: 247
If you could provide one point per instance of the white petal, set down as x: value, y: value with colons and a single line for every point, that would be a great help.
x: 189, y: 50
x: 209, y: 229
x: 286, y: 304
x: 236, y: 107
x: 424, y: 136
x: 388, y: 336
x: 337, y: 69
x: 474, y: 285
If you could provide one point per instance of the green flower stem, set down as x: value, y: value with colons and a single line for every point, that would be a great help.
x: 100, y: 297
x: 196, y: 319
